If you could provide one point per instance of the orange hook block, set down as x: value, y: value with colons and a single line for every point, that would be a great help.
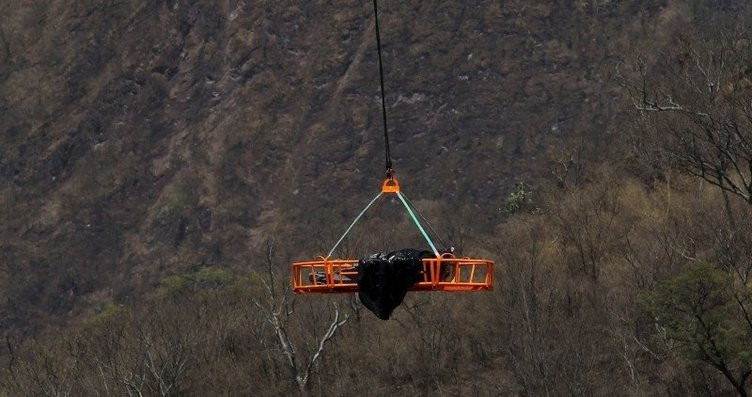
x: 390, y: 185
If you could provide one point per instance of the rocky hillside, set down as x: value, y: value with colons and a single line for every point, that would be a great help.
x: 141, y: 139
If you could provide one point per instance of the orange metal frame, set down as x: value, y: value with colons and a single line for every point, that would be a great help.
x: 447, y: 273
x: 444, y: 273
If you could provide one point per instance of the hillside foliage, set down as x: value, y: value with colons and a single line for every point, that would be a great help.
x: 164, y: 162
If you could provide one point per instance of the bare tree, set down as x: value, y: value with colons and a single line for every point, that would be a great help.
x: 695, y: 107
x: 276, y: 309
x: 587, y: 220
x: 50, y: 370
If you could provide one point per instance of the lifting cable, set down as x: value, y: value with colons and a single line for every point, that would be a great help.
x: 417, y: 223
x: 425, y: 222
x: 410, y: 212
x: 357, y: 218
x: 387, y: 155
x: 388, y: 163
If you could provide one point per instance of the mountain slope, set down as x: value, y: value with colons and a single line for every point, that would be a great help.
x: 143, y: 138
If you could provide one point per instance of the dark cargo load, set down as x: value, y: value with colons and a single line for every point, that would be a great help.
x: 384, y: 279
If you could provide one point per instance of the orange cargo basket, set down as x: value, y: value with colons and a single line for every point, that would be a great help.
x: 444, y: 272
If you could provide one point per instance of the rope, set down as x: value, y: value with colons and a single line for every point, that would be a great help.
x: 425, y: 221
x: 353, y: 224
x: 387, y: 155
x: 417, y: 223
x: 359, y: 238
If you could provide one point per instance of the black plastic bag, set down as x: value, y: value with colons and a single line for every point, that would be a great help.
x: 384, y: 279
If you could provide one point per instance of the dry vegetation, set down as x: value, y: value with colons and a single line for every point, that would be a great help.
x: 624, y: 267
x: 604, y: 288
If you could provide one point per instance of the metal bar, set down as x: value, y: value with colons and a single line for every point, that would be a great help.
x: 305, y: 280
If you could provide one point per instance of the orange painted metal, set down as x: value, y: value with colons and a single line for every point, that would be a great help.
x: 447, y: 273
x: 390, y: 185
